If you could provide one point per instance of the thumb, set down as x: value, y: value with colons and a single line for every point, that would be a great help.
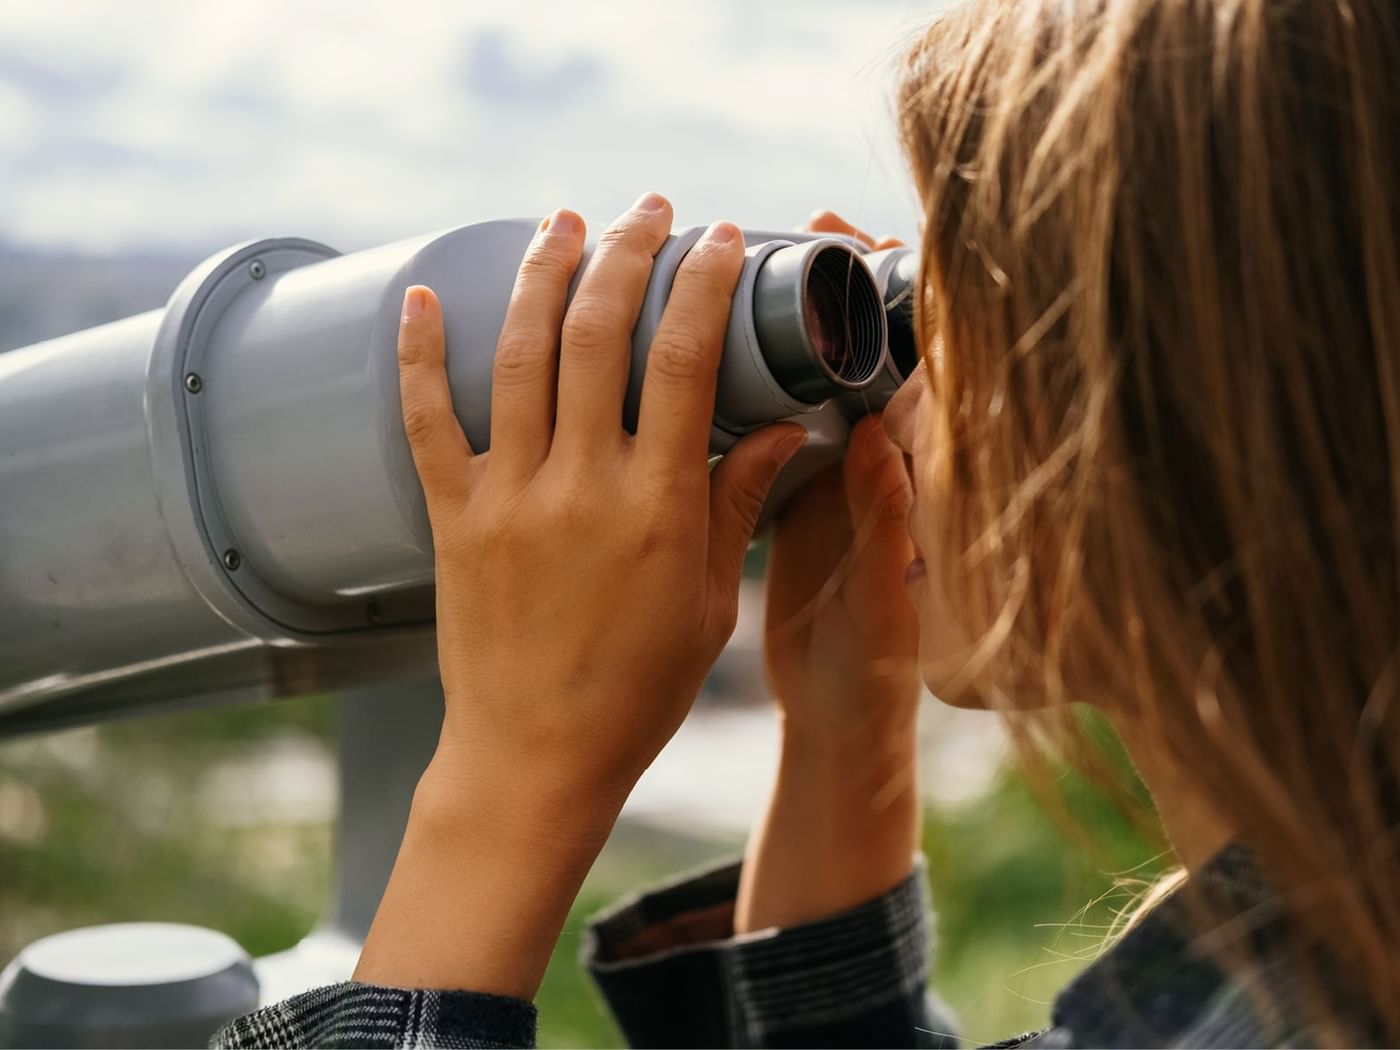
x: 738, y: 488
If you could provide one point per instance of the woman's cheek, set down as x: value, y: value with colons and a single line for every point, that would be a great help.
x: 946, y: 652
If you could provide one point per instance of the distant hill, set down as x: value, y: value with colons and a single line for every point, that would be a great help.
x: 44, y: 295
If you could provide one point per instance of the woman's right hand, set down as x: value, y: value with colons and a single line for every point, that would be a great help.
x: 841, y: 638
x: 841, y: 651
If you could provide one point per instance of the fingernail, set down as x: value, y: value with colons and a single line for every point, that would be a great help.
x: 413, y: 302
x: 563, y: 222
x: 650, y: 202
x: 721, y: 232
x: 787, y: 448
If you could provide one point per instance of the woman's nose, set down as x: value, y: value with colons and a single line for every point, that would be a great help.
x: 899, y: 413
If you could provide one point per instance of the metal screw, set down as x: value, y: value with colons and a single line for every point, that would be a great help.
x: 257, y: 270
x: 193, y: 383
x: 232, y: 560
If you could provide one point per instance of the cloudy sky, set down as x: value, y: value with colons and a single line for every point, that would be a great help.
x: 185, y: 125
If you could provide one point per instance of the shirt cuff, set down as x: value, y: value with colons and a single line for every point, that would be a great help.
x: 668, y: 960
x: 355, y: 1014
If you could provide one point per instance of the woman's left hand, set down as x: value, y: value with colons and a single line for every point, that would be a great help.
x: 586, y: 581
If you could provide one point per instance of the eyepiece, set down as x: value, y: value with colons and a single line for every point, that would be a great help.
x: 899, y: 311
x: 819, y: 320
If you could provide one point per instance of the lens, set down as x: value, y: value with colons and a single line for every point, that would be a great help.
x: 819, y: 320
x: 818, y: 315
x: 838, y: 317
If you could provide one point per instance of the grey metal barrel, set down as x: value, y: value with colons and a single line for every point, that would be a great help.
x: 216, y: 500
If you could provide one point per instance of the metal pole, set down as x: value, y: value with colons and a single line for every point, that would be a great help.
x: 385, y: 737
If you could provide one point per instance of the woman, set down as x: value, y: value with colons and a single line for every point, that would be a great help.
x: 1155, y: 451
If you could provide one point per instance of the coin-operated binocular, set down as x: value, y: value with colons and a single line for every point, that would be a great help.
x: 217, y: 499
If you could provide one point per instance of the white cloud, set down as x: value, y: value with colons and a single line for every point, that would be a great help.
x: 186, y: 125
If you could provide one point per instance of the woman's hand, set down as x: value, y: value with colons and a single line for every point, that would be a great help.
x: 841, y: 638
x: 841, y: 649
x: 586, y: 581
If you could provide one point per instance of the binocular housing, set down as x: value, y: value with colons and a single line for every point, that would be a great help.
x: 216, y: 499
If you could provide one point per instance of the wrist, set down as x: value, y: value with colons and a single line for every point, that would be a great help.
x: 487, y: 870
x: 546, y: 770
x: 842, y: 827
x: 857, y: 753
x: 863, y: 790
x: 527, y: 805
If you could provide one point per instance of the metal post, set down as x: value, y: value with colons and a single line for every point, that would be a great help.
x: 386, y: 736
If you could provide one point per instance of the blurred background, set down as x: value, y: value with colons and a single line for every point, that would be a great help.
x: 137, y: 138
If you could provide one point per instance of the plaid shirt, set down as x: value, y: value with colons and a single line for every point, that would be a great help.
x: 674, y: 975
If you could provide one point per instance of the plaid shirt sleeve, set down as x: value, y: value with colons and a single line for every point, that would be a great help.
x: 366, y: 1015
x: 674, y: 974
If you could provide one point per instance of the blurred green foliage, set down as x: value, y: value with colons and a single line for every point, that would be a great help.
x: 121, y: 837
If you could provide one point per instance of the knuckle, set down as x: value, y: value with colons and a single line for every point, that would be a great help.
x: 517, y: 361
x: 577, y: 513
x: 420, y: 420
x: 547, y: 263
x: 656, y: 524
x: 684, y: 356
x: 709, y: 277
x: 710, y: 260
x: 747, y: 504
x: 620, y: 236
x: 725, y: 618
x: 591, y: 323
x: 634, y: 232
x: 569, y: 495
x: 572, y: 505
x: 652, y: 538
x: 414, y: 353
x: 624, y: 256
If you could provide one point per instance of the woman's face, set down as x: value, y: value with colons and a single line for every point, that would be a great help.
x: 945, y: 656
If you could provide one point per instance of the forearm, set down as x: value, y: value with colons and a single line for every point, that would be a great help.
x: 842, y: 827
x: 483, y: 882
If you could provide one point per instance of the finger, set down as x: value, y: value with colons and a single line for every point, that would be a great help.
x: 811, y: 539
x: 879, y: 496
x: 524, y: 373
x: 738, y: 488
x: 678, y: 393
x: 440, y: 450
x: 829, y: 222
x: 888, y: 242
x: 596, y: 352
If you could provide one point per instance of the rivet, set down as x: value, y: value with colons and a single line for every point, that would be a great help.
x: 232, y: 560
x: 256, y: 270
x: 193, y: 383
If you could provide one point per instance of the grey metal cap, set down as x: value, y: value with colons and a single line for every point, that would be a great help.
x: 129, y: 984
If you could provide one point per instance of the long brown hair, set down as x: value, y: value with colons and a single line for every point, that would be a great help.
x: 1161, y: 277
